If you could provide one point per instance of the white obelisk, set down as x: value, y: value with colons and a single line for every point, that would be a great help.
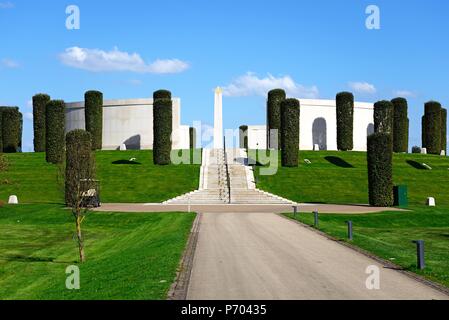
x: 218, y: 119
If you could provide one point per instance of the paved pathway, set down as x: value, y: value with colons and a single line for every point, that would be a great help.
x: 264, y: 256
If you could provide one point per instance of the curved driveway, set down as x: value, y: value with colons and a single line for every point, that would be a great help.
x: 263, y: 256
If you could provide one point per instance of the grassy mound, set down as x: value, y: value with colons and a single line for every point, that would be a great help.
x: 140, y: 181
x: 342, y: 178
x: 129, y: 256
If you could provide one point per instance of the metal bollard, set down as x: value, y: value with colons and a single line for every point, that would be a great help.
x: 421, y: 264
x: 350, y: 230
x: 295, y: 211
x: 316, y: 219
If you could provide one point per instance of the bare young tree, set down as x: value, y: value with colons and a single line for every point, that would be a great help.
x: 81, y: 189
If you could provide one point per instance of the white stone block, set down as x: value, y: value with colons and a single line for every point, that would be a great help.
x: 13, y: 200
x: 316, y: 147
x: 123, y: 147
x: 424, y: 150
x: 443, y: 153
x: 431, y: 202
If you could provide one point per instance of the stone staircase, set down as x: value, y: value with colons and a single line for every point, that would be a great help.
x: 214, y: 189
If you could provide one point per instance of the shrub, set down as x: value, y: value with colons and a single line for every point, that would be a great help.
x: 432, y: 127
x: 383, y: 117
x: 79, y: 169
x: 1, y: 130
x: 163, y: 127
x: 243, y: 133
x: 55, y: 131
x: 275, y: 98
x: 93, y: 109
x: 380, y: 170
x: 416, y: 149
x: 400, y: 125
x: 443, y: 129
x: 290, y: 111
x: 345, y: 121
x: 192, y: 135
x: 39, y: 103
x: 11, y: 127
x: 19, y: 142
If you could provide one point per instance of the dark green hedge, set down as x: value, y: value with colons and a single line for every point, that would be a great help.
x: 444, y: 130
x: 1, y: 130
x: 11, y: 129
x: 162, y: 127
x: 192, y: 136
x: 432, y: 127
x: 79, y: 165
x: 400, y: 125
x: 380, y: 170
x: 275, y: 98
x: 39, y: 103
x: 162, y: 94
x: 383, y: 117
x: 93, y: 110
x: 243, y: 137
x: 345, y: 121
x: 55, y: 131
x: 290, y: 111
x: 20, y: 133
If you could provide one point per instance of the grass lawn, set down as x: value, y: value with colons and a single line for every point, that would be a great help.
x: 390, y: 234
x: 341, y: 177
x: 34, y: 181
x: 129, y: 256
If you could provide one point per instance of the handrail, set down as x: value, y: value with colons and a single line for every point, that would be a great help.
x: 228, y: 177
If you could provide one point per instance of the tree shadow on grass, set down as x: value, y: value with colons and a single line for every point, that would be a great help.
x: 416, y: 165
x: 339, y: 162
x: 126, y: 162
x: 26, y: 259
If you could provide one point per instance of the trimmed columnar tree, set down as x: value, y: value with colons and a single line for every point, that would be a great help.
x: 243, y: 137
x: 93, y: 103
x: 380, y: 170
x: 383, y: 117
x: 55, y: 131
x: 400, y: 125
x: 79, y: 176
x: 275, y: 98
x: 162, y: 127
x: 11, y: 129
x: 39, y: 104
x: 290, y: 132
x: 345, y: 121
x: 443, y: 129
x: 432, y: 127
x: 192, y: 136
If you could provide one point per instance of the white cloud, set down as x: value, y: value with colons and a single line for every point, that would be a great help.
x: 134, y: 82
x: 9, y: 63
x: 362, y: 87
x: 251, y: 85
x: 28, y: 116
x: 6, y: 5
x: 404, y: 94
x: 97, y: 60
x: 30, y: 103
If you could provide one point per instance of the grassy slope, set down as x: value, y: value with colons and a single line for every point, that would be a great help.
x: 35, y: 181
x: 323, y: 181
x: 389, y: 235
x: 129, y: 256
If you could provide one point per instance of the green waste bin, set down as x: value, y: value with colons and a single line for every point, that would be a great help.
x: 400, y: 196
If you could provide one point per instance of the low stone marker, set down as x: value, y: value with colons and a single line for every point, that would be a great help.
x: 424, y: 150
x: 316, y: 147
x: 431, y: 202
x: 13, y: 200
x: 123, y: 147
x: 443, y: 153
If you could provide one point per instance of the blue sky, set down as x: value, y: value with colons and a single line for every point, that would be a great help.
x: 314, y: 48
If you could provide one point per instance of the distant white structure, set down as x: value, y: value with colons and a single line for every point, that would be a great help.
x: 318, y: 126
x: 13, y: 200
x: 130, y: 123
x: 218, y: 119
